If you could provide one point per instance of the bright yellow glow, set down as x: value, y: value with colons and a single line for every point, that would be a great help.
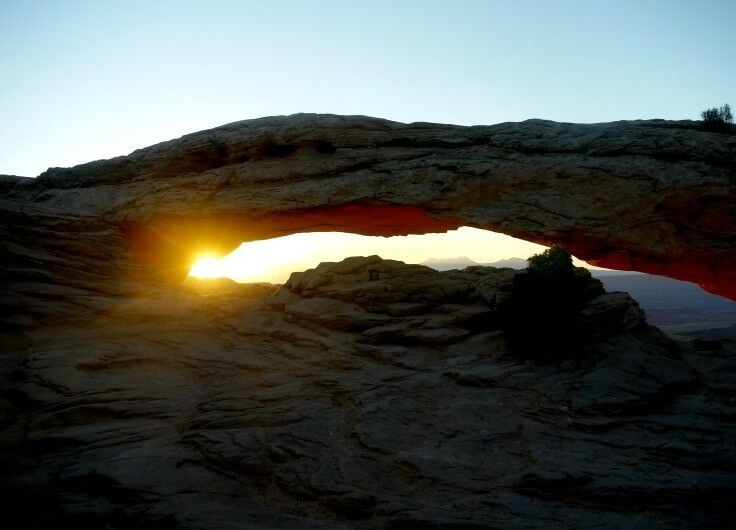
x: 207, y: 267
x: 273, y: 260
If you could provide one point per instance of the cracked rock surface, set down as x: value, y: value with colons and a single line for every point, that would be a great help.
x: 366, y: 393
x: 361, y: 394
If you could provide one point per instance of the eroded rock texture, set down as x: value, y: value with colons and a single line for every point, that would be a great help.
x: 368, y: 393
x: 361, y: 394
x: 654, y: 196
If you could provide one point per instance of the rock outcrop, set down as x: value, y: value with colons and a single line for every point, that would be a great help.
x: 365, y: 393
x: 361, y: 394
x: 654, y: 196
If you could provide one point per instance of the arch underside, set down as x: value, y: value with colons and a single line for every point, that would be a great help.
x: 171, y: 244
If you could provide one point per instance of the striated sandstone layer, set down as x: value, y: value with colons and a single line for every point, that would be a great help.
x: 361, y: 394
x: 654, y: 196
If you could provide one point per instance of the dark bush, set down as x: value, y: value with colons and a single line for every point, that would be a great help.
x: 555, y: 262
x: 718, y: 119
x: 540, y: 317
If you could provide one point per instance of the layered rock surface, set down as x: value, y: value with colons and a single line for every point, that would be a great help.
x: 368, y: 393
x: 654, y: 196
x: 361, y: 394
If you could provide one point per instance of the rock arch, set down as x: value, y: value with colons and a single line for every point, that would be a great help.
x: 655, y: 196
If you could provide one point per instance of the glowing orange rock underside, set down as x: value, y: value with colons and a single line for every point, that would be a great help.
x: 717, y: 279
x: 171, y: 244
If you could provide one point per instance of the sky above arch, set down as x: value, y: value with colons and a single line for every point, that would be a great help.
x: 83, y: 80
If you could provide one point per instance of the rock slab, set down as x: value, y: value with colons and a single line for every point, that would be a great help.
x: 361, y: 394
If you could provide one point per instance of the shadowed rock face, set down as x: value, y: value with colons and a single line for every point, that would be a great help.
x: 361, y: 394
x: 654, y: 196
x: 367, y: 393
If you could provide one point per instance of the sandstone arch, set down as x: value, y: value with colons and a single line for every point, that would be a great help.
x: 654, y: 196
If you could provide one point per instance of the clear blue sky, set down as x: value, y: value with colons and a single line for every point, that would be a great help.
x: 82, y: 80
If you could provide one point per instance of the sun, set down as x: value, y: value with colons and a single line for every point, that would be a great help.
x: 207, y: 266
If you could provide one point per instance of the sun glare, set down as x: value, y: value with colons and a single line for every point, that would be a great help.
x: 206, y: 267
x: 273, y: 260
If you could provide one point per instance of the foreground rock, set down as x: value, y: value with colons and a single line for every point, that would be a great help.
x: 361, y: 394
x: 654, y: 196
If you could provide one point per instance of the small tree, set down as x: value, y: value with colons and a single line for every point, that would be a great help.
x: 555, y: 262
x: 718, y: 119
x: 541, y: 314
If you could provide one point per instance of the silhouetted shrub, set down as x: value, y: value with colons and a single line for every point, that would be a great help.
x: 540, y: 317
x: 555, y: 262
x: 718, y: 119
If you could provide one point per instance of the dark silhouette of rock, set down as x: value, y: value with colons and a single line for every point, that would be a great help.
x: 361, y: 394
x: 366, y: 393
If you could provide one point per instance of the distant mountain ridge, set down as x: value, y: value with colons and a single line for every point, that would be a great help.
x: 446, y: 264
x: 511, y: 263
